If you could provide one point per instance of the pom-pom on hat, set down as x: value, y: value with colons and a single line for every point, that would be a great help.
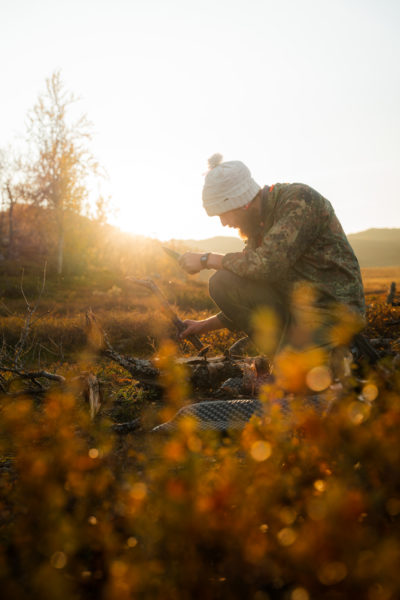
x: 228, y: 185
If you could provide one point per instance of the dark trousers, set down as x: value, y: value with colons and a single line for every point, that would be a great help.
x: 250, y: 306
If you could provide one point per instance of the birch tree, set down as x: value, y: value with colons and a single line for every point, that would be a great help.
x: 60, y: 160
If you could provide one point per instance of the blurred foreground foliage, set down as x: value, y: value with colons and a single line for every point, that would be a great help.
x: 300, y: 509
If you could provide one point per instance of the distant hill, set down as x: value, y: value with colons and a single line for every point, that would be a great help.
x: 379, y: 235
x: 222, y: 244
x: 377, y: 247
x: 373, y: 247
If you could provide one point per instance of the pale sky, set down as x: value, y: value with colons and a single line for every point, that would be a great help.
x: 299, y: 90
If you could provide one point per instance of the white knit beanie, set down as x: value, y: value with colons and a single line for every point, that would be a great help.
x: 227, y: 185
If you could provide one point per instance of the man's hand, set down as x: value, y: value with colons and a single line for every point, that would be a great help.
x: 200, y: 327
x: 190, y: 262
x: 192, y: 328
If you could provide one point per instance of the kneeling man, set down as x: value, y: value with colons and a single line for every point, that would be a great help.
x: 297, y: 271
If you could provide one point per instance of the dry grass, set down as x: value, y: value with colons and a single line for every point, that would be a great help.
x: 132, y: 318
x: 130, y: 315
x: 378, y: 280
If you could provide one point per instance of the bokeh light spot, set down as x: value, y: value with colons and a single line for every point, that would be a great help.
x: 320, y: 485
x: 260, y: 450
x: 369, y: 392
x: 93, y: 453
x: 86, y: 574
x: 174, y: 451
x: 58, y: 560
x: 266, y: 330
x: 358, y: 412
x: 131, y: 542
x: 139, y: 491
x: 118, y: 568
x: 299, y: 594
x: 188, y: 424
x: 286, y: 536
x: 319, y: 378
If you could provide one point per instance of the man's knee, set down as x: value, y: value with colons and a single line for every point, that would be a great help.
x: 220, y: 284
x: 239, y: 298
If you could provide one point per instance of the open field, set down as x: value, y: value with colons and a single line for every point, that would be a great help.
x: 130, y: 315
x: 377, y: 280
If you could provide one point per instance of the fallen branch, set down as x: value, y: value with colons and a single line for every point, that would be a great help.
x: 33, y: 374
x: 140, y: 369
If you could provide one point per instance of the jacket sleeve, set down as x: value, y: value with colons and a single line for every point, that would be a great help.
x: 297, y: 225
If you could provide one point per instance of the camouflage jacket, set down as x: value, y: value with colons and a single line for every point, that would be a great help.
x: 300, y: 239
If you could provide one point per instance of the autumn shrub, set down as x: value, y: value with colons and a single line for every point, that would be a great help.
x: 380, y: 318
x: 295, y: 507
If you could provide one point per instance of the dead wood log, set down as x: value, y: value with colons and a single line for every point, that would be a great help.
x: 204, y: 374
x: 140, y: 369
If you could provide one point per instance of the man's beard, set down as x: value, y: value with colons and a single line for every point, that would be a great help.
x: 249, y: 223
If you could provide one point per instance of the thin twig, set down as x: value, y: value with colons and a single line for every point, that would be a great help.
x: 10, y: 312
x: 43, y: 287
x: 42, y: 346
x: 22, y: 290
